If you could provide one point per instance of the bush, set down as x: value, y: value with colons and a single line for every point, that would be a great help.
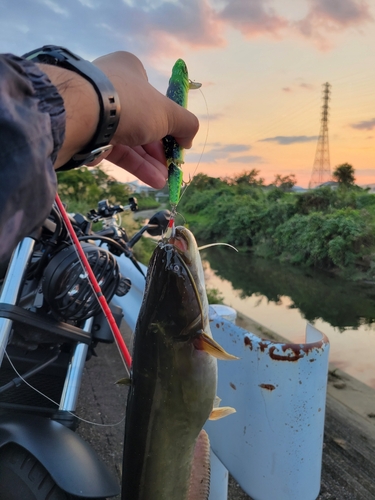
x: 324, y: 228
x: 325, y: 240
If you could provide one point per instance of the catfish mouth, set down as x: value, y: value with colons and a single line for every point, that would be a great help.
x: 179, y: 241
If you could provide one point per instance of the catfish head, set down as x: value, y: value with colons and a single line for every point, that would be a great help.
x: 176, y: 295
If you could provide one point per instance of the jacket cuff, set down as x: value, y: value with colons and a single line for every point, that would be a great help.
x: 49, y: 99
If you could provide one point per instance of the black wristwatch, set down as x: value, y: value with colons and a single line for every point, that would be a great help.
x: 108, y: 99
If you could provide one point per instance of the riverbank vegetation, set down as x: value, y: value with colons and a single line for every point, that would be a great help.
x: 81, y: 189
x: 330, y: 228
x: 327, y: 228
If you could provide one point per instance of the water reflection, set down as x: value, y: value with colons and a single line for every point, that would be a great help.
x: 317, y: 295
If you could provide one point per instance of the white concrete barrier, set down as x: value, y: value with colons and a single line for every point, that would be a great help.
x: 273, y: 444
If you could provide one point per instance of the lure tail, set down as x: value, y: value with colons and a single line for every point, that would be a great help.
x: 175, y: 178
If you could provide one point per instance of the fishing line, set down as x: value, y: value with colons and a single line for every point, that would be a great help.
x: 54, y: 402
x: 204, y: 145
x: 219, y: 244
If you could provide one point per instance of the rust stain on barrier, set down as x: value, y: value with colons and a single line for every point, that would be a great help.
x: 280, y: 357
x: 248, y: 343
x: 263, y: 345
x: 298, y: 350
x: 290, y: 352
x: 269, y: 387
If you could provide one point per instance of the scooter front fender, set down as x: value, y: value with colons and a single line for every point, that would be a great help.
x: 70, y: 461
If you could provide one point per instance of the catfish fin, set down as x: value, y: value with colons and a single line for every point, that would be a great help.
x: 217, y: 402
x: 199, y: 486
x: 222, y: 412
x: 124, y: 381
x: 209, y: 345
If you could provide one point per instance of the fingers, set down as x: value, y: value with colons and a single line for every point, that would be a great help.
x: 183, y: 125
x: 146, y: 114
x: 147, y: 163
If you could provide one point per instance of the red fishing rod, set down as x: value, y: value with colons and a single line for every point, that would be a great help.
x: 102, y: 300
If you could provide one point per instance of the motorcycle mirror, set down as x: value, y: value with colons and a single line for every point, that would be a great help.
x: 133, y: 204
x: 158, y: 223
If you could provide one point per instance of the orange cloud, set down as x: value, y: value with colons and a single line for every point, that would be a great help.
x: 327, y: 16
x: 252, y: 18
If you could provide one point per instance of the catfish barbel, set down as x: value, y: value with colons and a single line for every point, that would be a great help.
x: 174, y: 377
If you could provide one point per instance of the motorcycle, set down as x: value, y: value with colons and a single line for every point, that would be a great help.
x: 50, y: 323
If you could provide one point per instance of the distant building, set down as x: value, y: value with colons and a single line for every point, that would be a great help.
x: 370, y: 187
x: 160, y: 196
x: 137, y: 187
x: 330, y: 184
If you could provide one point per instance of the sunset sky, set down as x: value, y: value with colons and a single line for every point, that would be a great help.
x: 262, y: 64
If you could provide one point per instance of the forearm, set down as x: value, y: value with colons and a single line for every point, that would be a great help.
x: 81, y: 108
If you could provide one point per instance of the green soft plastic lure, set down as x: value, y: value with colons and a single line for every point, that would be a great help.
x: 179, y: 85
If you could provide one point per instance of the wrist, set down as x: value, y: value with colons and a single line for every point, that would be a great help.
x: 77, y: 93
x: 81, y: 107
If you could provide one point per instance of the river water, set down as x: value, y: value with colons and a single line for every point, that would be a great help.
x: 283, y: 298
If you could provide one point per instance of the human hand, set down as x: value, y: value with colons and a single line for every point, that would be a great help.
x: 146, y: 117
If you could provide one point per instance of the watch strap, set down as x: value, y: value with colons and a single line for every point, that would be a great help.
x: 109, y: 101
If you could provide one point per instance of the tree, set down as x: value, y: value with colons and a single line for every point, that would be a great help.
x: 91, y: 185
x: 117, y: 192
x: 286, y: 182
x: 344, y: 174
x: 202, y: 182
x: 248, y: 177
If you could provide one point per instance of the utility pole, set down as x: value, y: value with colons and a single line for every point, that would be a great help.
x: 322, y: 169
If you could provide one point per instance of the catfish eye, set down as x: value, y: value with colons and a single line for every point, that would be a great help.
x: 176, y: 268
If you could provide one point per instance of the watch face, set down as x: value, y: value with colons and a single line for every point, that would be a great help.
x: 46, y: 55
x: 47, y: 59
x: 94, y: 155
x: 33, y: 55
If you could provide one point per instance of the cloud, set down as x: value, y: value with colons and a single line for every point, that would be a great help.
x: 327, y: 16
x: 218, y: 151
x: 194, y: 22
x: 364, y: 125
x: 231, y: 148
x: 297, y: 86
x: 55, y: 7
x: 211, y: 117
x: 160, y: 29
x: 246, y: 159
x: 252, y: 17
x: 307, y: 86
x: 341, y: 12
x: 291, y: 139
x: 94, y: 27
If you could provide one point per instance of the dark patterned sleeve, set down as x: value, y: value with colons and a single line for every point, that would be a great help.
x: 32, y: 128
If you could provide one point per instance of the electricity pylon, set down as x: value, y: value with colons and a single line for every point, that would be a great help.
x: 322, y: 169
